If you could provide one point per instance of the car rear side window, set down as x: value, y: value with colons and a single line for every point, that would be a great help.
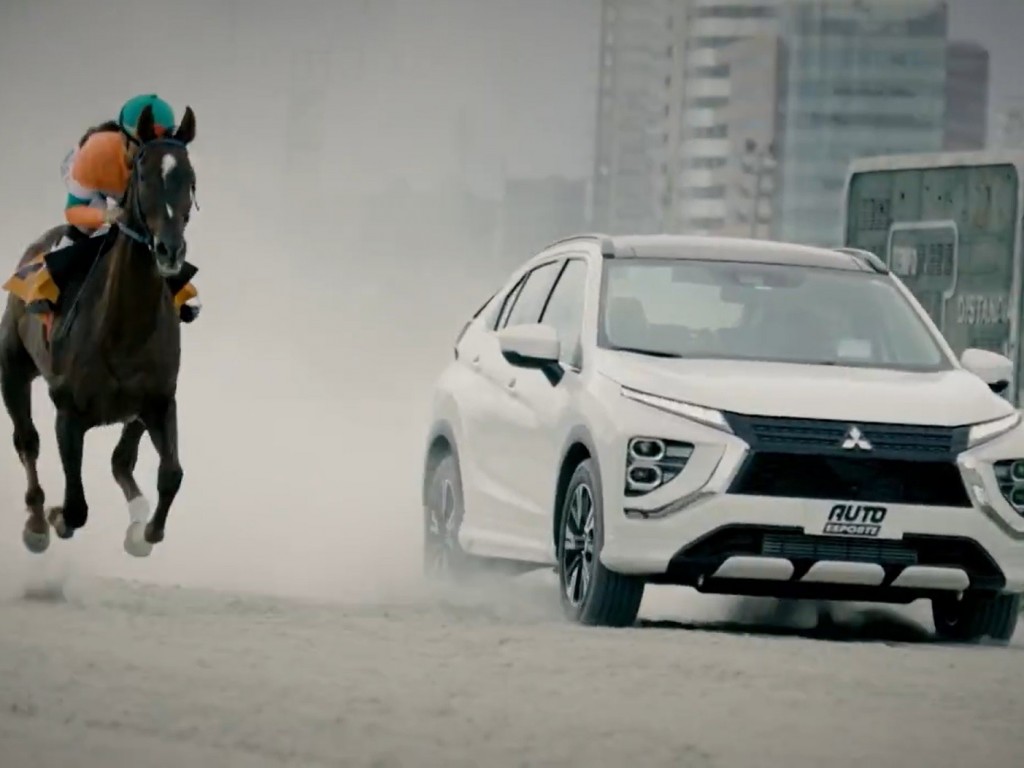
x: 528, y: 301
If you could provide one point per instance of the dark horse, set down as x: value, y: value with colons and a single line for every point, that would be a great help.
x: 115, y: 350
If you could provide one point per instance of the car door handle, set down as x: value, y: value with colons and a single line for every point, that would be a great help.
x: 475, y: 362
x: 511, y: 383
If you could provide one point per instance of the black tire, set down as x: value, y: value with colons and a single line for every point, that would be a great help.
x: 444, y: 560
x: 590, y: 593
x: 976, y: 617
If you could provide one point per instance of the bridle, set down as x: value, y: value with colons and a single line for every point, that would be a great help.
x: 137, y: 229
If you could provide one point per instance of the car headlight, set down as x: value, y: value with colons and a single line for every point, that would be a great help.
x: 651, y: 462
x: 988, y: 430
x: 1010, y: 479
x: 699, y: 413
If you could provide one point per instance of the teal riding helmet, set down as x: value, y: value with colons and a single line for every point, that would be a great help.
x: 163, y: 114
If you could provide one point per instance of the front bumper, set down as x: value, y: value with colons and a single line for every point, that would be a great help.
x: 698, y: 533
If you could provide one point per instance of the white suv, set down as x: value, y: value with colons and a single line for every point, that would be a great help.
x: 740, y: 416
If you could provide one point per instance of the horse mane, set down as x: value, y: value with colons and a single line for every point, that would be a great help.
x: 109, y: 126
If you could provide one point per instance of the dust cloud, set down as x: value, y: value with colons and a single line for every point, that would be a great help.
x: 351, y: 160
x: 348, y: 161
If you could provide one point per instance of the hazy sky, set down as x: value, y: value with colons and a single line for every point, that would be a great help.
x: 416, y: 88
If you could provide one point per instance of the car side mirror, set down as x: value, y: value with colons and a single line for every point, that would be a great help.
x: 992, y: 368
x: 532, y: 346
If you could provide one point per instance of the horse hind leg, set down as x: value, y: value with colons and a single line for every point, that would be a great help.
x: 17, y: 372
x: 122, y: 463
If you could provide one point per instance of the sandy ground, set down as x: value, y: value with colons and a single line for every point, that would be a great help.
x: 345, y: 658
x: 95, y: 672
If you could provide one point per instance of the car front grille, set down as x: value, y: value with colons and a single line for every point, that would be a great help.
x: 805, y: 459
x: 812, y: 436
x: 886, y: 481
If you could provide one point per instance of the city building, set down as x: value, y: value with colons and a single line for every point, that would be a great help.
x: 632, y: 115
x: 663, y: 91
x: 699, y: 96
x: 754, y: 125
x: 967, y: 86
x: 863, y: 78
x: 841, y: 80
x: 740, y: 116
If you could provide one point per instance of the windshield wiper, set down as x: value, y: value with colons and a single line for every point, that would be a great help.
x: 649, y: 352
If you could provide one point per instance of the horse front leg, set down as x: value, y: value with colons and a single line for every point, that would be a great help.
x: 71, y: 429
x: 122, y: 464
x: 162, y: 423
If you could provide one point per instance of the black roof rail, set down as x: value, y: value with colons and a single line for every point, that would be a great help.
x: 606, y: 242
x: 867, y: 257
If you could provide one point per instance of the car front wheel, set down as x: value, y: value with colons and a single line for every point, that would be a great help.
x: 975, y: 617
x: 590, y: 593
x: 443, y: 557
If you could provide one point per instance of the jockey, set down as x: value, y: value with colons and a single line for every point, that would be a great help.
x: 99, y: 168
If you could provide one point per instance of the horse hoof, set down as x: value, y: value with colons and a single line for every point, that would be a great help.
x: 36, y: 543
x: 135, y: 543
x: 59, y: 526
x: 154, y: 536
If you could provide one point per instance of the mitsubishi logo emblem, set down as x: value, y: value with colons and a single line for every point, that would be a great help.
x: 855, y: 441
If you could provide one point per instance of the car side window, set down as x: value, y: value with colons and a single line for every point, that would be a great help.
x: 564, y: 310
x: 529, y: 302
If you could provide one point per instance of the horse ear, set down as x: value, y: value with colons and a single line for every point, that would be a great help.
x: 146, y: 129
x: 187, y: 130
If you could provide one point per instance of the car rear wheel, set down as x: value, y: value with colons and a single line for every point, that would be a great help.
x: 590, y: 593
x: 976, y: 617
x: 443, y: 557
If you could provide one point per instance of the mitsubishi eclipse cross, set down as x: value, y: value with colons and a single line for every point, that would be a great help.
x: 738, y: 416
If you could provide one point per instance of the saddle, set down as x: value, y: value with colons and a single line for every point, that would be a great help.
x: 47, y: 281
x: 42, y: 280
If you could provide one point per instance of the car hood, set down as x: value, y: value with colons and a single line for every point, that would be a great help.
x: 945, y: 398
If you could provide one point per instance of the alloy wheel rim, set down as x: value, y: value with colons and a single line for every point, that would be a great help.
x: 578, y: 550
x: 442, y: 530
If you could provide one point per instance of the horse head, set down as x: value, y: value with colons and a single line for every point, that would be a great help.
x: 159, y: 198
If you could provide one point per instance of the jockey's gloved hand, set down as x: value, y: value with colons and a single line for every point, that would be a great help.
x: 112, y: 215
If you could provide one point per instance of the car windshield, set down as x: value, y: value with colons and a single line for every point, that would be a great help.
x: 768, y: 312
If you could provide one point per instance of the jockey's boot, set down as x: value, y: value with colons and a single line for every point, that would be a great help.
x: 189, y: 311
